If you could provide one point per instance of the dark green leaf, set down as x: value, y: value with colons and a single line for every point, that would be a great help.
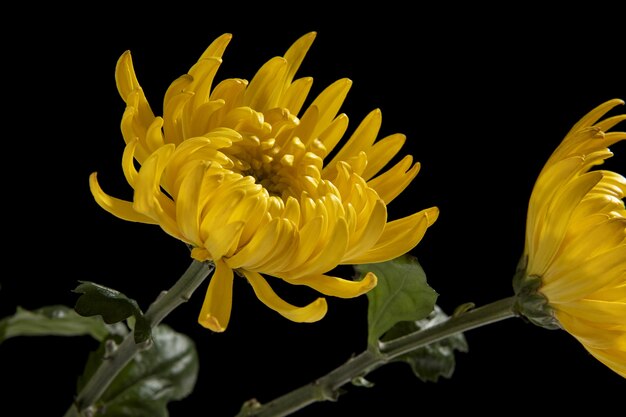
x: 112, y: 305
x: 164, y: 372
x: 56, y: 320
x: 436, y: 359
x: 402, y: 294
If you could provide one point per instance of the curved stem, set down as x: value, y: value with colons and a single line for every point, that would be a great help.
x: 167, y: 301
x: 326, y: 387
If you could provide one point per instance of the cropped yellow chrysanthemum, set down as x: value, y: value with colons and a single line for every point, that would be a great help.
x: 235, y: 173
x: 576, y: 239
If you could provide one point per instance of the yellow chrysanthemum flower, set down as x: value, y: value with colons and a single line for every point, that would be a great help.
x: 574, y: 275
x: 235, y: 173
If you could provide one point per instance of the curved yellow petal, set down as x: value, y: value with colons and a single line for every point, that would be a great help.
x: 337, y: 287
x: 296, y: 95
x: 128, y: 162
x: 362, y: 138
x: 125, y: 77
x: 231, y: 91
x: 154, y: 135
x: 119, y: 208
x: 296, y: 53
x: 558, y: 218
x: 259, y: 247
x: 267, y: 85
x: 547, y: 188
x: 594, y: 115
x: 188, y: 211
x: 308, y: 239
x: 398, y: 238
x: 328, y: 257
x: 284, y: 250
x: 584, y: 137
x: 176, y: 88
x: 147, y: 189
x: 128, y: 86
x: 391, y: 183
x: 308, y: 314
x: 173, y: 110
x: 371, y: 233
x: 329, y: 102
x: 305, y: 130
x: 217, y: 47
x: 218, y: 301
x: 379, y: 155
x: 202, y: 120
x: 330, y: 137
x: 202, y: 73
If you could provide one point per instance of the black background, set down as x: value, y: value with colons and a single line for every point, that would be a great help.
x: 484, y: 96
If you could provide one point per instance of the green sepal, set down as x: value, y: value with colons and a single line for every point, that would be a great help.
x: 163, y: 372
x: 113, y: 306
x: 54, y: 320
x: 530, y: 302
x: 402, y: 294
x: 434, y: 360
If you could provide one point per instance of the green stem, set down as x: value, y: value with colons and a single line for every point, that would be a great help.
x: 327, y: 387
x: 167, y: 301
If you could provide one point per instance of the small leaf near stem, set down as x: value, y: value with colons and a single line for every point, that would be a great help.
x: 113, y: 306
x: 402, y: 294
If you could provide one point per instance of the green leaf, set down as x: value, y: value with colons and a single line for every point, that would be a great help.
x: 55, y: 320
x: 402, y: 294
x: 436, y: 359
x: 113, y: 306
x: 164, y: 372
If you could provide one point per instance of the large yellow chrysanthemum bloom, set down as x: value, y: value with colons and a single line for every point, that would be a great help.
x: 235, y: 173
x: 576, y: 242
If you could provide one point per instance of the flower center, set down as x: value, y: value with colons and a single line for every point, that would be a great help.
x: 284, y: 168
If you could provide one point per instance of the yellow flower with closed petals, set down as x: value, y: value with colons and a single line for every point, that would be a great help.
x: 573, y: 274
x: 238, y: 172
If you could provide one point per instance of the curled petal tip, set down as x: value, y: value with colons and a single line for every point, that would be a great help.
x: 212, y: 323
x: 370, y: 280
x: 432, y: 214
x: 315, y: 311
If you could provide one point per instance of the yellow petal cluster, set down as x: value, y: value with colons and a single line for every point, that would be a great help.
x: 576, y: 238
x: 241, y: 173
